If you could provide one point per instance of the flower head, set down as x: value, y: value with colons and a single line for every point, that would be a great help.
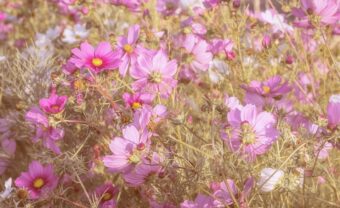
x: 252, y: 133
x: 142, y: 171
x: 154, y: 74
x: 129, y: 49
x: 313, y: 13
x: 333, y: 111
x: 167, y: 7
x: 137, y: 100
x: 43, y: 129
x: 54, y: 104
x: 223, y: 194
x: 128, y: 151
x: 106, y: 193
x: 197, y: 54
x: 38, y: 180
x: 96, y: 59
x: 269, y: 178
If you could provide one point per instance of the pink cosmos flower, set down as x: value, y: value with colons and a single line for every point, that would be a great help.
x: 128, y: 151
x: 167, y: 7
x: 222, y: 194
x: 54, y: 104
x: 197, y: 55
x: 142, y: 171
x: 201, y: 201
x: 211, y: 3
x: 252, y: 133
x: 272, y: 87
x: 96, y: 59
x: 106, y: 193
x: 154, y: 74
x: 129, y: 49
x: 38, y: 180
x: 322, y: 150
x: 43, y: 130
x: 317, y: 12
x: 191, y: 27
x: 218, y: 46
x: 333, y: 111
x: 271, y: 92
x: 300, y: 122
x: 147, y: 117
x: 137, y: 100
x: 132, y: 5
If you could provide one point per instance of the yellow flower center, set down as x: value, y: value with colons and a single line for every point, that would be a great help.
x: 247, y: 134
x: 79, y: 84
x: 155, y: 77
x: 97, y: 62
x: 55, y: 107
x: 187, y: 30
x: 107, y: 196
x: 38, y: 183
x: 128, y: 48
x: 134, y: 159
x: 266, y: 89
x: 136, y: 105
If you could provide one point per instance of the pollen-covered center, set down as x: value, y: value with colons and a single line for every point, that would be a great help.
x: 137, y: 154
x: 136, y: 105
x: 38, y: 183
x: 188, y: 58
x: 128, y: 48
x: 55, y: 107
x: 107, y: 196
x: 266, y: 89
x: 155, y: 77
x: 247, y: 134
x: 97, y: 62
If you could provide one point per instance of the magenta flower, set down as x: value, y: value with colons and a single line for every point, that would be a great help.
x: 167, y: 7
x: 54, y: 104
x: 38, y: 180
x: 317, y: 12
x: 218, y: 46
x: 137, y: 100
x: 198, y: 56
x: 132, y: 5
x: 147, y: 117
x: 96, y: 59
x: 106, y: 194
x: 191, y: 27
x: 252, y: 133
x: 273, y: 87
x: 333, y: 111
x: 129, y: 49
x: 143, y: 170
x: 154, y: 74
x: 222, y: 194
x: 271, y: 92
x: 201, y: 201
x: 43, y: 130
x: 128, y: 151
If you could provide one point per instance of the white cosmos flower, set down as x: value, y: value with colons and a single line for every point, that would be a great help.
x: 269, y: 178
x: 276, y: 20
x: 335, y: 98
x: 190, y: 4
x: 217, y: 70
x: 75, y: 33
x: 8, y: 189
x: 2, y: 58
